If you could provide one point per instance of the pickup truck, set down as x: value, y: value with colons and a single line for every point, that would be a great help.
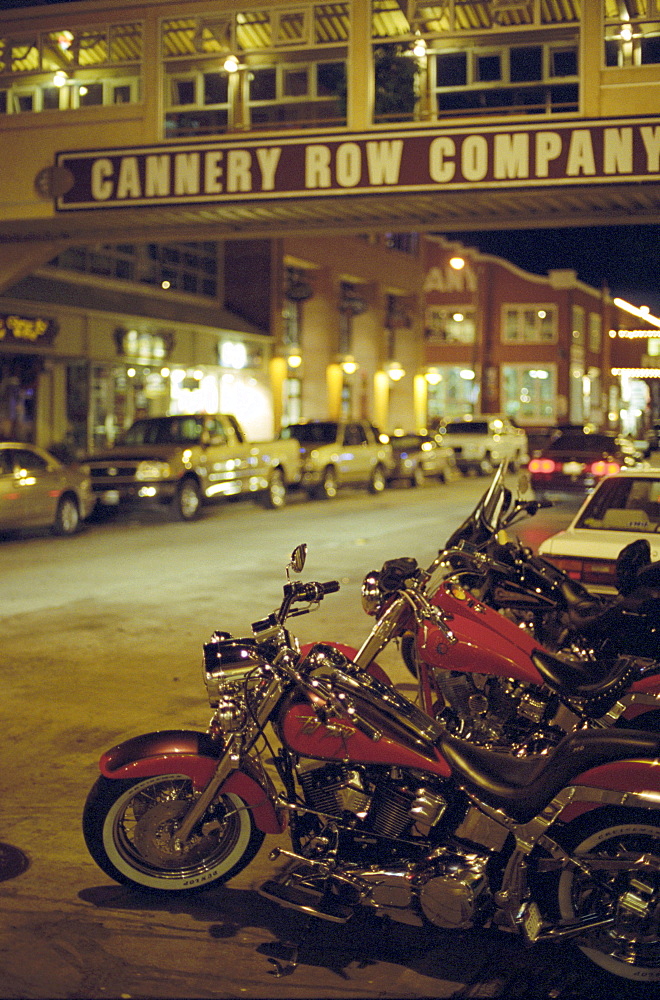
x: 186, y: 459
x: 480, y: 443
x: 336, y: 453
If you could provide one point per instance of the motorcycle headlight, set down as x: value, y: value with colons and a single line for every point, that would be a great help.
x: 150, y: 470
x: 228, y: 666
x: 371, y: 592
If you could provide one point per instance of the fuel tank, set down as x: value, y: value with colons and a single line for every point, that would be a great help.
x: 376, y: 725
x: 484, y: 641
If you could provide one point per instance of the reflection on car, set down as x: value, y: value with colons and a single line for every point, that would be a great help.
x: 417, y: 456
x: 574, y: 461
x: 623, y: 508
x: 37, y: 490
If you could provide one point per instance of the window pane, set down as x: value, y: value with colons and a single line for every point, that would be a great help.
x: 183, y: 91
x: 263, y: 85
x: 451, y: 69
x: 564, y: 62
x: 330, y: 78
x: 526, y: 63
x: 489, y: 68
x: 215, y: 88
x: 93, y: 94
x: 295, y: 83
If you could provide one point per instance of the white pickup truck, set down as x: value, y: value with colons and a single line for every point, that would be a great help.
x: 336, y: 453
x: 186, y: 459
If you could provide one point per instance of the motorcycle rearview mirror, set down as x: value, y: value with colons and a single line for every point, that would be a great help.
x: 524, y: 483
x: 298, y: 559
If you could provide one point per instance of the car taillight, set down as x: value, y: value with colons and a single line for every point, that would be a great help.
x: 542, y: 465
x: 604, y: 468
x: 587, y: 571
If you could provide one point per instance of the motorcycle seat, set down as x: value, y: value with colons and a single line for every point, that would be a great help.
x: 523, y: 786
x: 596, y: 685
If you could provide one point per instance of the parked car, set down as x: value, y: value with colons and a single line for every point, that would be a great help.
x: 186, y: 459
x: 37, y: 490
x: 480, y: 443
x: 574, y: 461
x: 417, y: 456
x: 337, y: 453
x: 622, y: 508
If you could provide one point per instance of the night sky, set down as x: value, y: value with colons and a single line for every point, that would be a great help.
x: 625, y: 258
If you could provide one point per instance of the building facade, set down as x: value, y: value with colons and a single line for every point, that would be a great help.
x: 238, y: 196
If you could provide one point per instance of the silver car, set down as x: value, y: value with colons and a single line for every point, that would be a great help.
x: 37, y: 490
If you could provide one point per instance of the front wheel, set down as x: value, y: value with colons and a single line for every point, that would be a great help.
x: 67, y: 516
x: 378, y: 480
x: 327, y: 488
x: 629, y: 947
x: 275, y: 497
x: 187, y: 500
x: 130, y: 831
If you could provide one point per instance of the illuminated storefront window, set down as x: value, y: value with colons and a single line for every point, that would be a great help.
x: 528, y: 393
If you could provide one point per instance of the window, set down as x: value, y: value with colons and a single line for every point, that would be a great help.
x: 101, y: 64
x: 595, y: 332
x: 528, y: 393
x: 529, y: 324
x: 522, y: 78
x: 449, y: 325
x: 453, y: 392
x: 632, y: 40
x: 292, y: 69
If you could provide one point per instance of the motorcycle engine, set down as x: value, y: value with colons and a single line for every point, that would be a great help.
x: 383, y: 813
x: 387, y: 802
x: 497, y: 711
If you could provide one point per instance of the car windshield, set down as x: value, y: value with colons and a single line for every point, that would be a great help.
x: 624, y: 504
x: 575, y: 442
x: 320, y: 432
x: 467, y: 427
x: 165, y: 430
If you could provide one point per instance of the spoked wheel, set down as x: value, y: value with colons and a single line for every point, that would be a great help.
x: 130, y: 831
x: 630, y: 946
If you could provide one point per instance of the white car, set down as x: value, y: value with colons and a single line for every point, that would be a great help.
x: 623, y: 508
x: 481, y: 442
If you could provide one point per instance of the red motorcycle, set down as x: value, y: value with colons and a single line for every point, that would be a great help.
x: 385, y: 808
x: 489, y: 680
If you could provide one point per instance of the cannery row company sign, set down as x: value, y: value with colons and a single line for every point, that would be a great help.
x: 314, y: 166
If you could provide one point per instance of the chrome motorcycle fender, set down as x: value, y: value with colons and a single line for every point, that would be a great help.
x: 631, y: 783
x: 195, y: 755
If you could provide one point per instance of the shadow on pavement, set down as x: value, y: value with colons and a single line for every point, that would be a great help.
x: 488, y: 963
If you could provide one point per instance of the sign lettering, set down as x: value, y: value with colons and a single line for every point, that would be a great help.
x: 319, y: 166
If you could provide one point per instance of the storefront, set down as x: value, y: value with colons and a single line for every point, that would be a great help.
x: 75, y: 379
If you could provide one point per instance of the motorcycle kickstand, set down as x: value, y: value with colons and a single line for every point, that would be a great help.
x: 286, y: 962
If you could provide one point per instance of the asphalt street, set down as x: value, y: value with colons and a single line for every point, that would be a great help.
x: 101, y: 640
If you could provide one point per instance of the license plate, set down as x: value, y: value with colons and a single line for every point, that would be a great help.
x: 110, y: 498
x: 572, y: 468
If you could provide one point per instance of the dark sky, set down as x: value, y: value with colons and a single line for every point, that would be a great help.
x: 624, y: 258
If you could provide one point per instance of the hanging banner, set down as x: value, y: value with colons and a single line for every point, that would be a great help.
x: 319, y: 166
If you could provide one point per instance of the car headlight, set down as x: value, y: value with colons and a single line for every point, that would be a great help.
x: 149, y: 470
